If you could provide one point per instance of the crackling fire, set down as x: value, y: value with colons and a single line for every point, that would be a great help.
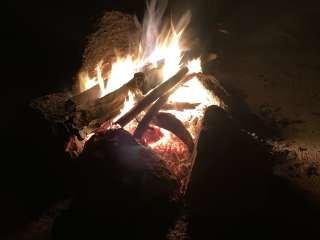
x: 160, y: 43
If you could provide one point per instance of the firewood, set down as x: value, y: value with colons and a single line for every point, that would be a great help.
x: 152, y: 96
x: 119, y: 184
x: 85, y: 97
x: 152, y: 112
x: 153, y: 74
x: 104, y: 108
x: 169, y: 122
x: 214, y: 86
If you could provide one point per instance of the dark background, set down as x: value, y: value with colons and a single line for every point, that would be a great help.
x: 42, y: 49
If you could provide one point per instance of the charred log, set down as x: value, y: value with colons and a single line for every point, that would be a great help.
x: 169, y: 122
x: 104, y: 108
x: 120, y: 184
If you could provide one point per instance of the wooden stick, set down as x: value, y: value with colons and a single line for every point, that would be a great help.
x: 91, y: 94
x: 144, y: 123
x: 151, y: 97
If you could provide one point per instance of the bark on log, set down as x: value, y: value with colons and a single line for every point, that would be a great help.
x: 152, y: 96
x: 152, y: 112
x: 152, y: 74
x: 120, y: 184
x: 104, y: 108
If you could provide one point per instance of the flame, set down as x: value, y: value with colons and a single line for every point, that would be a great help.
x: 128, y: 104
x: 85, y: 81
x: 158, y: 43
x: 194, y: 66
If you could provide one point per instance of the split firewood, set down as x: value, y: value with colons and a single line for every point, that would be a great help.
x: 116, y: 180
x: 152, y: 74
x: 152, y: 96
x: 152, y: 112
x: 104, y: 108
x: 169, y: 122
x: 85, y: 97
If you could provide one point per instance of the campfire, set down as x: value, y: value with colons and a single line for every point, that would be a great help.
x: 152, y: 90
x: 133, y: 123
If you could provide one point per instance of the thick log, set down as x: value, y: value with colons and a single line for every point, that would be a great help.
x: 120, y: 184
x: 152, y: 74
x: 169, y: 122
x: 104, y: 108
x: 152, y: 96
x: 85, y: 97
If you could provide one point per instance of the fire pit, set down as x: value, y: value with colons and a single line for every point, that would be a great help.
x: 133, y: 121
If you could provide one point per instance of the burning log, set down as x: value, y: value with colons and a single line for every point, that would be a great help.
x: 169, y: 122
x: 231, y: 169
x: 84, y: 98
x: 152, y: 74
x: 164, y: 120
x: 151, y: 97
x: 104, y: 108
x: 120, y: 183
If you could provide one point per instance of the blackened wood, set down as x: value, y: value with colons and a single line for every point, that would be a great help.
x: 121, y: 184
x: 152, y: 112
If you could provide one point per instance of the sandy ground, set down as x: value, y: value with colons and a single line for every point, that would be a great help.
x: 273, y: 63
